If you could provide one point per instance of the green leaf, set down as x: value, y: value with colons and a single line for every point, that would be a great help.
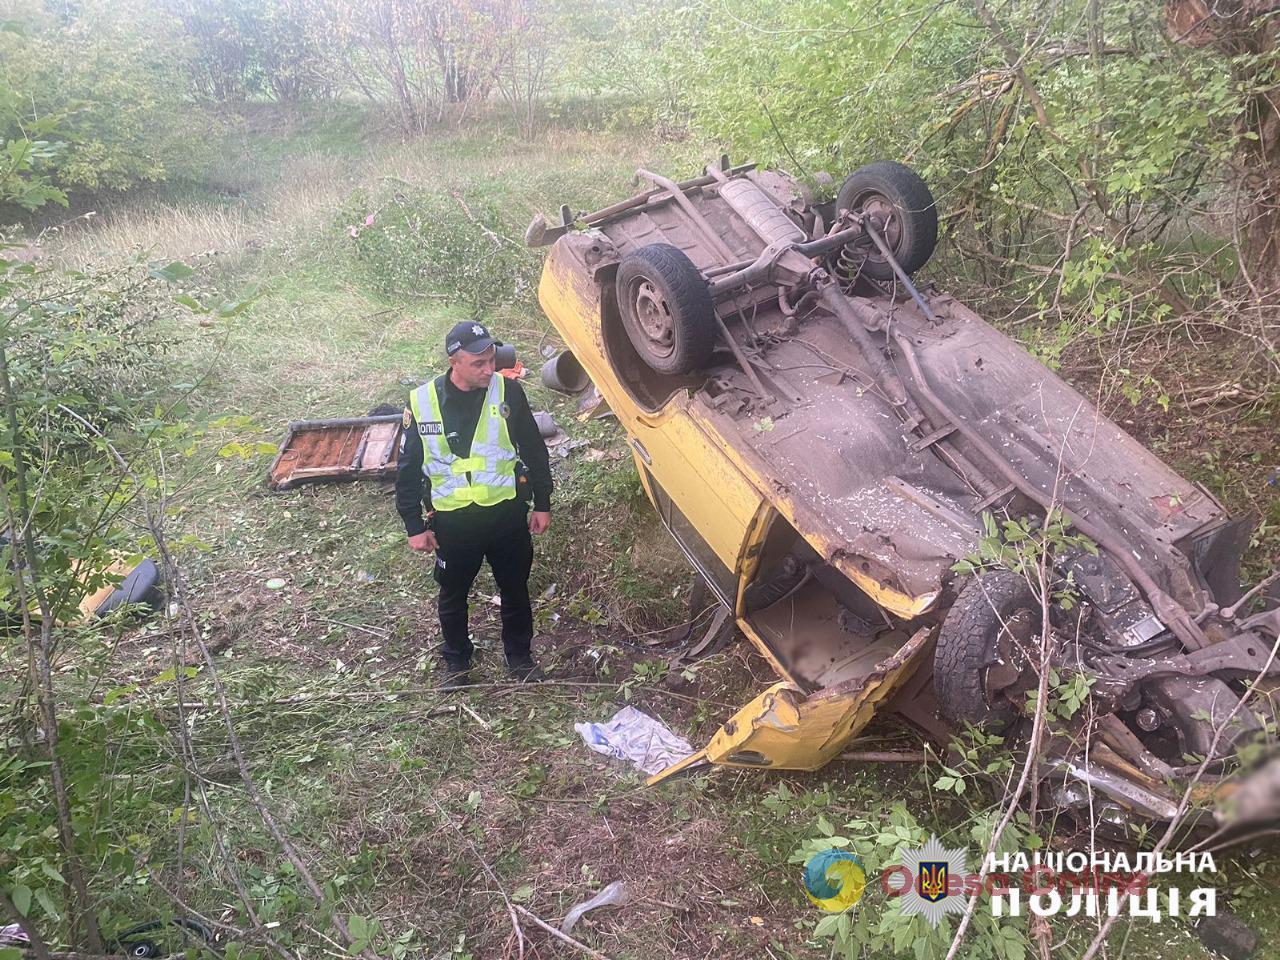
x: 21, y: 897
x: 825, y: 827
x: 827, y: 926
x: 191, y: 303
x: 172, y: 272
x: 46, y: 902
x: 50, y: 871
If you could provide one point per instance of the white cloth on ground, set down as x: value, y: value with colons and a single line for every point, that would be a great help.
x: 633, y: 735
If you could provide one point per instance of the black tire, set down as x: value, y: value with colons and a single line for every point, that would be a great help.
x: 386, y: 410
x: 666, y: 309
x: 888, y: 187
x: 967, y: 648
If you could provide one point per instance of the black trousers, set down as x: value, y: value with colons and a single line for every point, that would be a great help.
x: 466, y: 538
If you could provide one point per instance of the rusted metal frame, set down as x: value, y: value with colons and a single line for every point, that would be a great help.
x: 1229, y: 655
x: 540, y: 233
x: 1125, y: 743
x: 299, y: 425
x: 878, y: 240
x: 992, y: 497
x: 895, y: 390
x: 940, y: 434
x: 600, y: 216
x: 743, y: 362
x: 752, y: 271
x: 1170, y: 612
x: 946, y: 514
x: 685, y: 204
x: 1115, y: 784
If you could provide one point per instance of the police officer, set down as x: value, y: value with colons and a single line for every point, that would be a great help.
x: 472, y: 452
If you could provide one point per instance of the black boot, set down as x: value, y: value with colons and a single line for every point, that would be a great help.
x: 525, y: 670
x: 456, y: 677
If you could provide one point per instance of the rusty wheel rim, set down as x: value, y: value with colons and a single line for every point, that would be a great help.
x: 653, y: 317
x: 884, y: 216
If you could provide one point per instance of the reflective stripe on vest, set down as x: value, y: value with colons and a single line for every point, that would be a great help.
x: 488, y: 475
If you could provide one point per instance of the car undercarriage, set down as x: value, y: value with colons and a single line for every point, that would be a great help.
x: 930, y: 483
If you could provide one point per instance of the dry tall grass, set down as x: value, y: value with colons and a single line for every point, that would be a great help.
x: 297, y: 201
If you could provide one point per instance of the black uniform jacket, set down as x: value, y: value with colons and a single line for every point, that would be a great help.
x: 461, y: 410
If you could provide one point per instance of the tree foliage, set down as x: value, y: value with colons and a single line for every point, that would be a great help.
x: 102, y: 98
x: 1088, y: 160
x: 254, y: 47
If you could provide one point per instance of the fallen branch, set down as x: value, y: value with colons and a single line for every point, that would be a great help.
x: 885, y: 756
x: 563, y: 937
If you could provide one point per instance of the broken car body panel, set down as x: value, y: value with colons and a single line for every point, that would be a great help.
x: 336, y: 451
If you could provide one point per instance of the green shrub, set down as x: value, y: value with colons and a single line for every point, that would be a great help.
x: 110, y: 95
x: 413, y: 244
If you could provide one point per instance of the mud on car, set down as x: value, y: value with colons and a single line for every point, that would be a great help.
x: 828, y: 441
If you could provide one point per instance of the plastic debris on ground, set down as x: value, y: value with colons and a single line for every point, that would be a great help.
x: 14, y: 936
x: 615, y: 894
x: 633, y: 735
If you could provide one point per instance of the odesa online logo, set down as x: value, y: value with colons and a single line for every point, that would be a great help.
x: 834, y: 879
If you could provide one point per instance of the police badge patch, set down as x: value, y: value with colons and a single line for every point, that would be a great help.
x: 431, y: 428
x: 408, y: 417
x: 504, y: 410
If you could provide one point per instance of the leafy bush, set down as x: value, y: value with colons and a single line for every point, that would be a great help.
x: 411, y: 244
x: 1090, y: 162
x: 108, y: 96
x: 92, y: 343
x: 246, y: 47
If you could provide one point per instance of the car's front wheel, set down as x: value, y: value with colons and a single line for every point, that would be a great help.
x: 983, y: 648
x: 666, y: 308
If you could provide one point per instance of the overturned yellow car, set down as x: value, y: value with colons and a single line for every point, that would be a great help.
x: 826, y: 439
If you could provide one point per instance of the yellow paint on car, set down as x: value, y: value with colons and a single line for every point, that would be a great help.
x: 730, y: 504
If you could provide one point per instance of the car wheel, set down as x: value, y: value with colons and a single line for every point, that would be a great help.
x: 900, y: 204
x: 666, y: 309
x: 981, y: 649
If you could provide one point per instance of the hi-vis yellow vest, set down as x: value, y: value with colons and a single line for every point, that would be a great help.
x: 488, y: 476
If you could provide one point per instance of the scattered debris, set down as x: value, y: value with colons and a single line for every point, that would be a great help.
x: 616, y: 894
x: 557, y: 934
x: 547, y: 425
x: 336, y: 451
x: 633, y: 735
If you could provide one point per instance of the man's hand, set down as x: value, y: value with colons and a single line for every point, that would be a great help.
x: 539, y: 520
x: 426, y: 540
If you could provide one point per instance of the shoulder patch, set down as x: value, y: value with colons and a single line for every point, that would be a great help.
x: 408, y: 417
x: 504, y: 410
